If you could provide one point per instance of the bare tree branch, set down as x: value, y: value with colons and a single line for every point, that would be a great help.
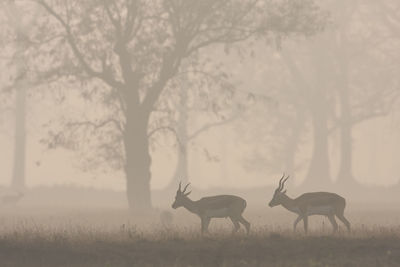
x: 163, y: 128
x: 114, y: 21
x: 78, y: 54
x: 96, y: 126
x: 208, y: 126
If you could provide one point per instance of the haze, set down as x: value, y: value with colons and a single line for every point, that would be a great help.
x: 110, y: 109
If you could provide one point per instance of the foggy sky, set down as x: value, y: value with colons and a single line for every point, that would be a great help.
x: 376, y: 142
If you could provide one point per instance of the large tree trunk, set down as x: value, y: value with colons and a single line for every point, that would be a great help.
x: 345, y: 175
x: 138, y: 160
x: 289, y: 159
x: 318, y: 176
x: 18, y: 174
x: 224, y: 156
x: 319, y: 169
x: 292, y: 144
x: 21, y: 84
x: 182, y: 170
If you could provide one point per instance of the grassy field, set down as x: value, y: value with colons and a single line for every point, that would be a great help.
x: 94, y: 248
x: 114, y: 238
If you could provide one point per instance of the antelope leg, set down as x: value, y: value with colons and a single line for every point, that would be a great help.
x: 333, y: 222
x: 305, y: 220
x: 205, y: 221
x: 298, y: 219
x: 235, y: 224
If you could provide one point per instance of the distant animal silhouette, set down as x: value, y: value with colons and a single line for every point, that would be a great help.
x: 11, y: 199
x: 315, y: 203
x: 221, y: 206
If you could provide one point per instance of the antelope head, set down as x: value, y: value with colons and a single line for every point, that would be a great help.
x: 279, y: 193
x: 181, y: 196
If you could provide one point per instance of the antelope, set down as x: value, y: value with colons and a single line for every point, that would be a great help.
x: 221, y: 206
x: 314, y: 203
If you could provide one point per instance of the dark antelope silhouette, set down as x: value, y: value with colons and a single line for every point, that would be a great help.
x: 221, y: 206
x: 315, y: 203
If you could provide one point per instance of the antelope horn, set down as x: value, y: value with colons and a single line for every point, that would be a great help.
x: 284, y: 181
x: 179, y: 188
x: 280, y: 182
x: 184, y: 189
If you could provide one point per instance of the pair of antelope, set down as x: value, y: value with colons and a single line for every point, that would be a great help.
x: 223, y: 206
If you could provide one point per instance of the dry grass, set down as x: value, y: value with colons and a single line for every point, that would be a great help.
x: 112, y: 238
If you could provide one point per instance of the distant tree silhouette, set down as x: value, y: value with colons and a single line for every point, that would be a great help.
x: 223, y: 113
x: 358, y: 102
x: 337, y: 83
x: 337, y: 80
x: 18, y: 38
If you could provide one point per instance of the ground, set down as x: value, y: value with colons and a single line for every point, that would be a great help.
x: 112, y: 237
x: 100, y: 249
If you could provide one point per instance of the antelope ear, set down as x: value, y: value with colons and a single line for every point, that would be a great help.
x: 188, y: 193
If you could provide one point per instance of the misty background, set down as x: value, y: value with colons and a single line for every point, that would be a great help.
x: 102, y: 98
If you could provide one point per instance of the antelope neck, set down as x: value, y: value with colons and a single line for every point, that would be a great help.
x: 289, y: 203
x: 190, y: 205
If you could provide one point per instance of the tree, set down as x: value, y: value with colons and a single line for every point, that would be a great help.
x: 128, y: 52
x: 186, y: 137
x: 332, y: 82
x: 20, y: 31
x: 276, y: 127
x: 358, y: 101
x: 342, y: 60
